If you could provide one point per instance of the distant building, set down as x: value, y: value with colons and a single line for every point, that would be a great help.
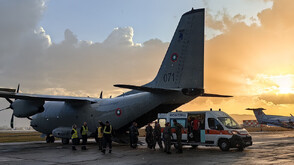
x: 252, y: 123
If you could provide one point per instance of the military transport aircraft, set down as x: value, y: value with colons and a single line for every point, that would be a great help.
x: 179, y: 80
x: 273, y: 120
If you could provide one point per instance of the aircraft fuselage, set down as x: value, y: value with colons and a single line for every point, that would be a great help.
x: 120, y: 111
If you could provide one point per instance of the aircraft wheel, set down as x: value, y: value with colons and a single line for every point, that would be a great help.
x: 48, y: 139
x: 224, y: 145
x: 65, y: 141
x: 52, y: 139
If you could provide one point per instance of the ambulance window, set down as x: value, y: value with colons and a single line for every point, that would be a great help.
x: 181, y: 121
x: 162, y: 122
x: 214, y: 124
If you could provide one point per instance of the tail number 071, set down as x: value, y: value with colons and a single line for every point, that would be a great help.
x: 169, y: 77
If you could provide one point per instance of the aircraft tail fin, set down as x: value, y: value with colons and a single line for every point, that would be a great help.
x: 182, y: 66
x: 259, y: 114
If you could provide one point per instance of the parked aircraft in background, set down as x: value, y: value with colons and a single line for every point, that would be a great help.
x: 273, y: 120
x: 179, y: 80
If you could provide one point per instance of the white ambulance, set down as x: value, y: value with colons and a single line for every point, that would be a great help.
x: 215, y: 128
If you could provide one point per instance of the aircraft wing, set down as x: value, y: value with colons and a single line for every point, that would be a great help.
x: 37, y: 97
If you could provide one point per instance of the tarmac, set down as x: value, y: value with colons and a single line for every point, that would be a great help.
x: 268, y: 148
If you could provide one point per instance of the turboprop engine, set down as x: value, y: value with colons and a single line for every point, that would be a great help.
x: 26, y: 108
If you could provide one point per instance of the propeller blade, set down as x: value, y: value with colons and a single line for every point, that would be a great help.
x: 101, y: 95
x: 11, y: 121
x: 10, y: 101
x: 17, y: 91
x: 5, y: 109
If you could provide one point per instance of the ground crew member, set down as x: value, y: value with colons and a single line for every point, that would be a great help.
x: 84, y: 132
x: 179, y: 128
x: 107, y: 133
x: 149, y: 136
x: 157, y: 135
x: 167, y: 134
x: 74, y: 137
x: 134, y: 133
x: 100, y: 135
x: 196, y: 131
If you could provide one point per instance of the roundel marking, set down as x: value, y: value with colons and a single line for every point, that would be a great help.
x: 118, y: 112
x: 174, y: 57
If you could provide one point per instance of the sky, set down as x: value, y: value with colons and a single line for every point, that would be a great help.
x: 79, y: 48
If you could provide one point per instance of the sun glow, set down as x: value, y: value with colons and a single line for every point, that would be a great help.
x: 285, y: 83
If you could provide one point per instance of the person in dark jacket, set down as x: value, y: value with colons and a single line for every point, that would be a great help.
x: 157, y: 135
x: 179, y: 129
x: 84, y: 133
x: 149, y: 136
x: 107, y: 134
x: 134, y: 133
x: 167, y: 135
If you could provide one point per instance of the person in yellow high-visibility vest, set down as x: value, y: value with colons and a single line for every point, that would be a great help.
x: 84, y: 132
x: 100, y: 130
x: 74, y: 137
x: 107, y: 133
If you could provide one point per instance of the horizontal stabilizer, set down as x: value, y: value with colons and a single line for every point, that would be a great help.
x: 214, y: 95
x: 254, y: 109
x: 147, y: 89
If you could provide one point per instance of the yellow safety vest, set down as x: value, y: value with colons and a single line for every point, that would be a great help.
x: 104, y: 131
x: 85, y: 130
x: 100, y: 133
x: 75, y: 134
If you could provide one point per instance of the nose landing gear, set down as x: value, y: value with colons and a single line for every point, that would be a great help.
x: 50, y: 139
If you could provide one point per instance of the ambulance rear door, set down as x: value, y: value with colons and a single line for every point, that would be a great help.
x: 181, y: 118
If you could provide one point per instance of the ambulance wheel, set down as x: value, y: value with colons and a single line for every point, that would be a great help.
x: 65, y: 141
x: 194, y: 146
x: 241, y: 148
x: 224, y: 144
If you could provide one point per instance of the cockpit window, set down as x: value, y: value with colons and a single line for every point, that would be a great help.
x: 229, y: 122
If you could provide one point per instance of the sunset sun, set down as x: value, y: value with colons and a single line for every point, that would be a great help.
x: 285, y: 83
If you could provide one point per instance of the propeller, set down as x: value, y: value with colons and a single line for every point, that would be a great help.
x: 10, y: 107
x: 101, y: 95
x: 5, y: 108
x: 11, y: 121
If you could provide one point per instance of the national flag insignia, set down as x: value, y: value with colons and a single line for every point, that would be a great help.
x: 174, y: 57
x: 118, y: 112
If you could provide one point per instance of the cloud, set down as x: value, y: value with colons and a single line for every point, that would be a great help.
x: 278, y: 98
x: 246, y: 60
x: 77, y: 67
x: 121, y: 37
